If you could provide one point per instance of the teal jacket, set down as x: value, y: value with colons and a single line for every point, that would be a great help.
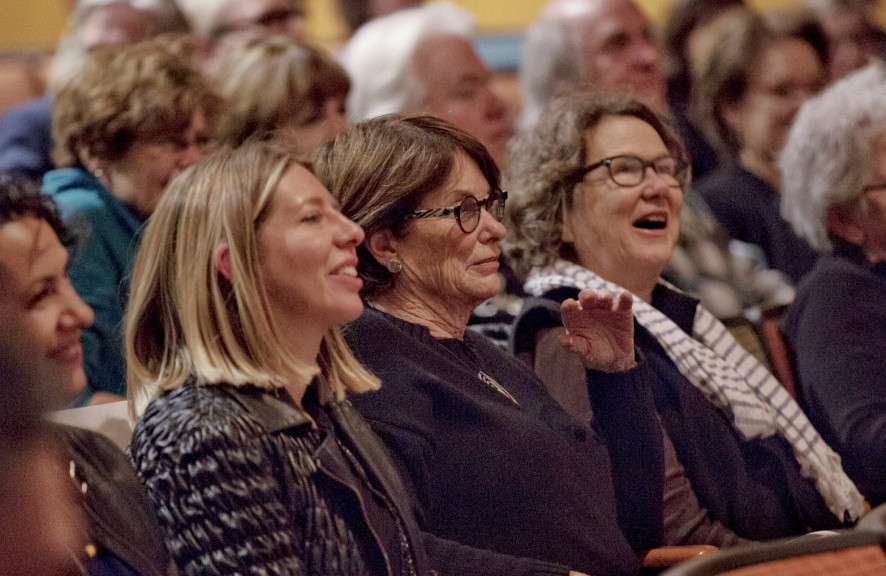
x: 109, y: 232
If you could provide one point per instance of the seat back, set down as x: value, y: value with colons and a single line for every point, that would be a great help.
x: 874, y: 520
x: 777, y: 351
x: 111, y: 420
x: 848, y: 553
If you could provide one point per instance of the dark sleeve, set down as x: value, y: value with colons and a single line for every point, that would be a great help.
x: 625, y: 415
x: 686, y: 523
x: 218, y: 501
x: 26, y: 140
x: 117, y: 514
x: 450, y: 558
x: 839, y: 342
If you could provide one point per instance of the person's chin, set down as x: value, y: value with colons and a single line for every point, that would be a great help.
x: 76, y: 384
x: 350, y: 310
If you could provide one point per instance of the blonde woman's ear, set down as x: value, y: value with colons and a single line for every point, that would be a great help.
x: 222, y: 259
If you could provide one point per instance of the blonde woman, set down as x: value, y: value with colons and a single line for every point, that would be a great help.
x: 250, y: 455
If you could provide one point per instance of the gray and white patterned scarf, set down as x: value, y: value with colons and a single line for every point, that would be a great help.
x: 730, y: 378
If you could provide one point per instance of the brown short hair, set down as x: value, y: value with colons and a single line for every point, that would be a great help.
x: 128, y: 93
x: 381, y: 169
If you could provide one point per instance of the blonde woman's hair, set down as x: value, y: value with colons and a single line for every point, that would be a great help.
x: 185, y: 319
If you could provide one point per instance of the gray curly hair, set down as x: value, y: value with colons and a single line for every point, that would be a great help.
x: 830, y: 152
x: 546, y: 167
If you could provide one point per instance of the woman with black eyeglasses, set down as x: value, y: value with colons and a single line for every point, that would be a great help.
x: 600, y: 184
x: 490, y: 458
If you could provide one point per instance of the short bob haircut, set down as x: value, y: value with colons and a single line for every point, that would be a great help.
x: 126, y: 94
x: 186, y: 319
x: 546, y: 167
x: 273, y: 82
x: 726, y: 77
x: 831, y: 152
x: 381, y: 169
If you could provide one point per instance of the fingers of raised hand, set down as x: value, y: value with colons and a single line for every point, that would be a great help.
x: 590, y: 299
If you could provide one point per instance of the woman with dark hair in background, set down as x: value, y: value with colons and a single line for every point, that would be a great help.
x: 758, y: 74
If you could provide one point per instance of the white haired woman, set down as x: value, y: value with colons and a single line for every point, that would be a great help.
x: 834, y: 195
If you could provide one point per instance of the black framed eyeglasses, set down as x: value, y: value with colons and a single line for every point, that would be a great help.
x: 631, y: 170
x: 467, y: 212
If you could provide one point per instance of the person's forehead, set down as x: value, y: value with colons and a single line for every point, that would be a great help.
x: 609, y: 17
x: 448, y: 57
x: 114, y: 24
x: 251, y: 10
x: 24, y: 244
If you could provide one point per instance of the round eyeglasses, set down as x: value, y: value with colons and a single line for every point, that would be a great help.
x: 467, y: 212
x: 631, y: 170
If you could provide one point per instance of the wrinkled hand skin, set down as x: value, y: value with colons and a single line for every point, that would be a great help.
x: 600, y: 330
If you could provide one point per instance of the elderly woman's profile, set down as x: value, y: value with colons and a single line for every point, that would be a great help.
x: 489, y: 457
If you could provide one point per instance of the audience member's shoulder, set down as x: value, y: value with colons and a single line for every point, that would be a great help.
x: 80, y: 441
x: 194, y: 410
x: 36, y: 112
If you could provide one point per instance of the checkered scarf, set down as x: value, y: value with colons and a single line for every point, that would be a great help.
x: 731, y: 379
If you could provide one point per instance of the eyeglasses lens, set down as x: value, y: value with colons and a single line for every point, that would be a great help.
x: 469, y: 214
x: 631, y: 171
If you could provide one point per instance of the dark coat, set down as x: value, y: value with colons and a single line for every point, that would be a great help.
x: 727, y: 473
x: 836, y: 331
x: 496, y: 462
x: 749, y: 210
x: 118, y: 518
x: 242, y: 481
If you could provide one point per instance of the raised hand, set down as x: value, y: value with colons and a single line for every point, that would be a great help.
x: 600, y: 330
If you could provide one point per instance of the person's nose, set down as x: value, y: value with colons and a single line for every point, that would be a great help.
x: 336, y: 118
x: 647, y: 54
x: 350, y: 233
x: 495, y: 105
x: 76, y: 314
x: 490, y: 229
x: 193, y: 153
x: 655, y: 184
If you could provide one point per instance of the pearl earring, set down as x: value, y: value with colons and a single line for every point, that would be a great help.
x: 394, y: 266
